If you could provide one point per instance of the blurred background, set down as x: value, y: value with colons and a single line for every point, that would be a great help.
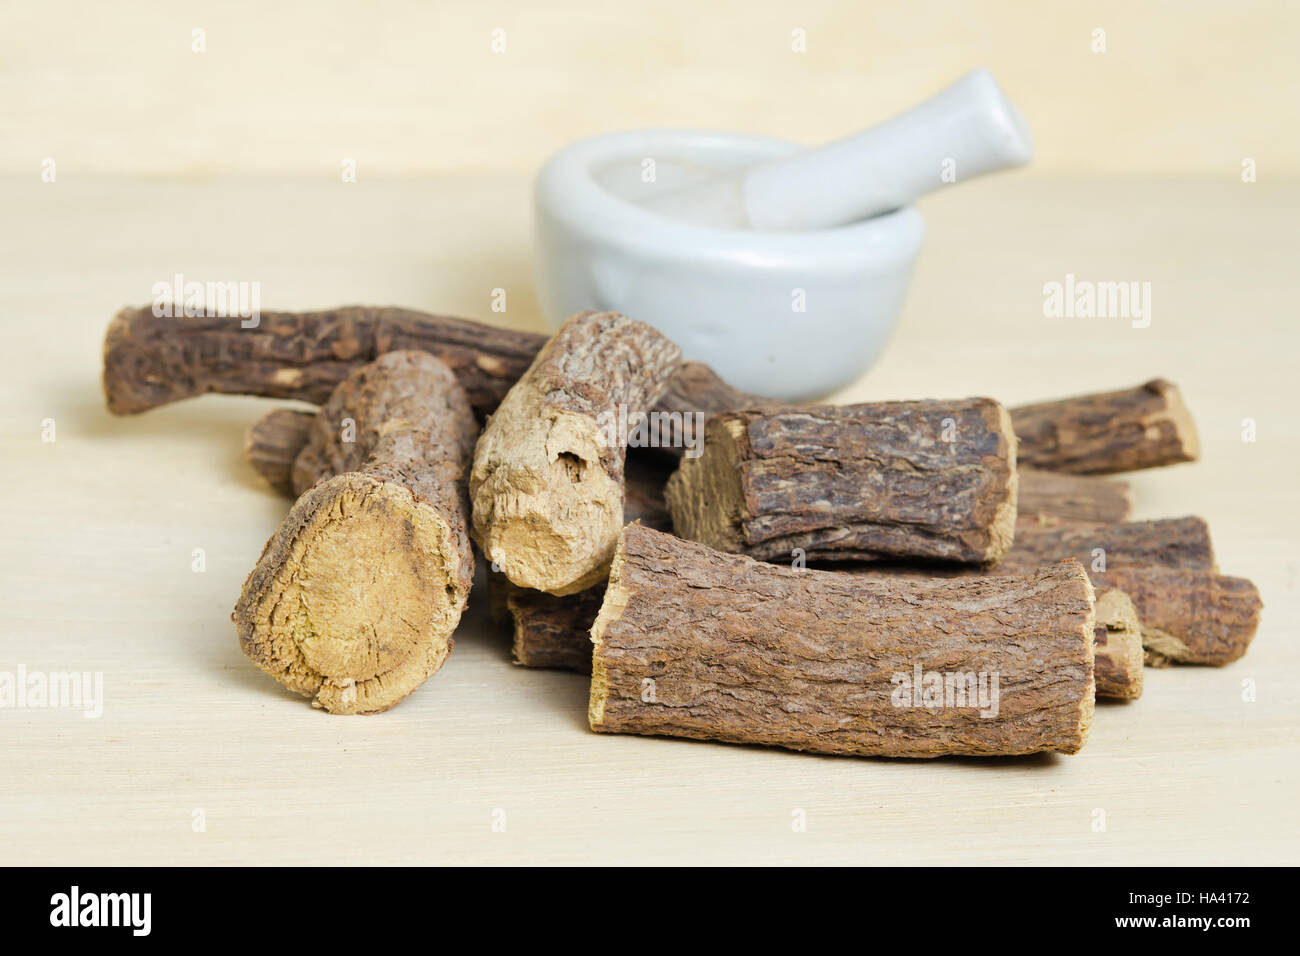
x: 1168, y: 88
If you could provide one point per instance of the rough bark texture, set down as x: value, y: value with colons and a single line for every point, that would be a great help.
x: 697, y: 390
x: 547, y: 483
x: 151, y: 361
x: 1189, y: 616
x: 1166, y: 542
x: 1117, y: 645
x: 1143, y: 427
x: 1189, y: 613
x: 696, y: 387
x: 354, y: 599
x: 273, y: 442
x: 933, y: 480
x: 487, y: 360
x: 1073, y: 497
x: 550, y: 631
x: 691, y: 642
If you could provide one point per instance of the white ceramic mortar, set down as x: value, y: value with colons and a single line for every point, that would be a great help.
x: 730, y: 298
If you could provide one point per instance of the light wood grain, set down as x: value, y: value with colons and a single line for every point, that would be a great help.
x: 99, y: 528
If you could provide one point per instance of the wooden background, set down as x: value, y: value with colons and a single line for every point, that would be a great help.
x: 1183, y: 87
x: 100, y: 525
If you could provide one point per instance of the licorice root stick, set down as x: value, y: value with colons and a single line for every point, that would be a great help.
x: 934, y: 480
x: 691, y: 642
x: 547, y: 482
x: 1105, y: 432
x: 354, y: 599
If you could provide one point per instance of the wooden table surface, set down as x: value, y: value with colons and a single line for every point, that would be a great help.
x: 198, y: 758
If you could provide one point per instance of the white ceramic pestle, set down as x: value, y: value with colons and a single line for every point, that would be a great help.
x: 966, y: 130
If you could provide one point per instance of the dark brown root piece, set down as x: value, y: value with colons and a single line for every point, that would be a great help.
x: 1165, y: 542
x: 1046, y: 494
x: 354, y: 599
x: 695, y: 392
x: 151, y: 360
x: 1143, y: 427
x: 550, y: 631
x: 932, y: 480
x: 547, y: 483
x: 1187, y: 615
x: 273, y: 442
x: 691, y: 642
x: 1117, y: 644
x: 644, y: 479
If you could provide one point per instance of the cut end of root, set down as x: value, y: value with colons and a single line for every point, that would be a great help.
x: 705, y: 496
x: 1180, y: 417
x: 534, y: 554
x: 1088, y: 698
x: 1119, y: 670
x: 611, y: 609
x: 116, y: 383
x: 355, y: 600
x: 545, y: 510
x: 1002, y: 531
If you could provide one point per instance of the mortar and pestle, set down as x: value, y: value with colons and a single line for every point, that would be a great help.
x: 784, y: 268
